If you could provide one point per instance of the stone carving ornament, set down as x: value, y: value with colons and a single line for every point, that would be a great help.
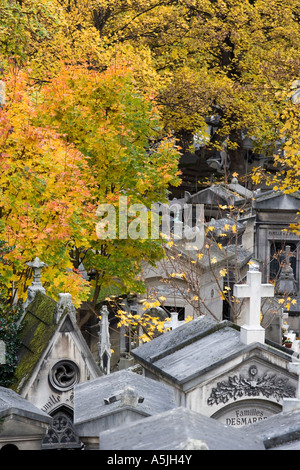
x: 64, y: 375
x: 252, y: 386
x: 62, y: 433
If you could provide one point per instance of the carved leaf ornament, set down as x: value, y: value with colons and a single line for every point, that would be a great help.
x: 239, y: 386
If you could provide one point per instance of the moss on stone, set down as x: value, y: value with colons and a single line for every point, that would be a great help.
x: 38, y: 328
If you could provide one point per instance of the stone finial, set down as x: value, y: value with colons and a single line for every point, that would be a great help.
x: 104, y: 346
x: 253, y: 292
x: 37, y: 267
x: 65, y: 303
x: 36, y: 285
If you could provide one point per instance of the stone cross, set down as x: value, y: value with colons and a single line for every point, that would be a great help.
x: 253, y: 292
x: 130, y: 397
x: 104, y: 341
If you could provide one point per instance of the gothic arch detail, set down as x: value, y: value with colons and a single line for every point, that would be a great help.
x: 62, y: 434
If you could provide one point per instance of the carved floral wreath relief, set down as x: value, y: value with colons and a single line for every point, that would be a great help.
x: 269, y: 386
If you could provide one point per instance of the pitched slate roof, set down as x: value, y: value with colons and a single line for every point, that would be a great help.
x: 174, y: 430
x: 216, y: 194
x: 279, y: 431
x: 92, y: 398
x: 38, y: 328
x: 13, y: 404
x: 277, y: 199
x: 194, y: 348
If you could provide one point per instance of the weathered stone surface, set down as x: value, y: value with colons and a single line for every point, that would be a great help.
x: 22, y: 424
x: 279, y: 431
x: 173, y: 429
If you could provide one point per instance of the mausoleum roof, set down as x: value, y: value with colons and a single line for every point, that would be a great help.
x: 216, y: 194
x: 196, y: 347
x: 105, y: 395
x: 276, y: 200
x: 280, y: 431
x: 13, y: 404
x: 178, y: 429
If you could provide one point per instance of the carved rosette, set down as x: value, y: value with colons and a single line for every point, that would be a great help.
x: 237, y: 387
x: 64, y: 375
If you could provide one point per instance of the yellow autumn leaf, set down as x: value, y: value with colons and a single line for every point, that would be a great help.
x: 189, y: 318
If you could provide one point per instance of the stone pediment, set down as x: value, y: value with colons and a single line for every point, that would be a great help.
x: 250, y: 392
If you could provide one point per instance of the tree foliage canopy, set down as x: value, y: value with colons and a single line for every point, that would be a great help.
x: 97, y: 90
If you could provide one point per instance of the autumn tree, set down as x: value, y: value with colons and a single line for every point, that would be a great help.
x: 40, y: 198
x: 221, y: 62
x: 83, y: 139
x: 108, y: 85
x: 224, y: 58
x: 285, y: 174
